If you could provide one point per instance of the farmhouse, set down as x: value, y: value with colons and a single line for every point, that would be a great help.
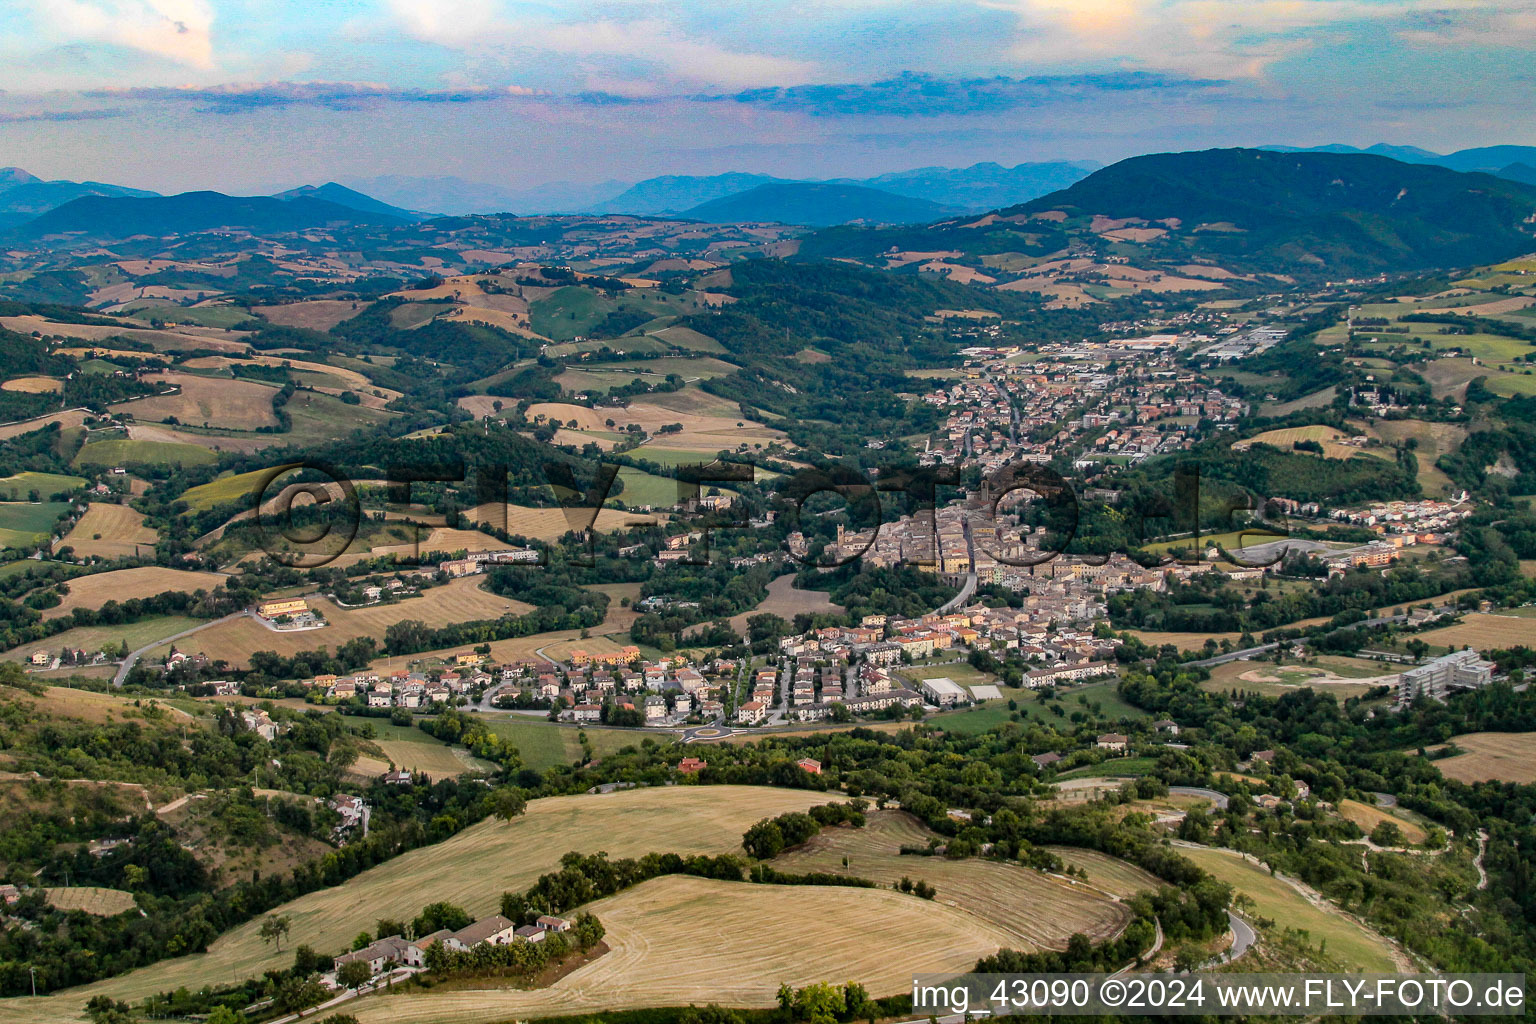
x: 810, y: 765
x: 553, y: 924
x: 285, y: 606
x: 496, y: 930
x: 1046, y: 759
x: 1112, y: 741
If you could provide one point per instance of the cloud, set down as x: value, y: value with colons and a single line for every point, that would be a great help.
x: 239, y: 97
x: 60, y: 115
x: 178, y: 30
x: 919, y: 95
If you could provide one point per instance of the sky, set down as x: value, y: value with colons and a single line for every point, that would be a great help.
x: 253, y: 95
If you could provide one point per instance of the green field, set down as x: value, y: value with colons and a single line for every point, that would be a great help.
x: 1349, y: 943
x: 204, y: 316
x: 996, y: 712
x: 17, y: 487
x: 544, y: 744
x: 573, y: 310
x: 1493, y: 348
x: 703, y: 366
x: 688, y: 338
x: 23, y: 524
x: 1114, y: 768
x: 670, y: 457
x: 94, y: 638
x: 124, y: 451
x: 318, y: 417
x: 224, y: 490
x: 642, y: 488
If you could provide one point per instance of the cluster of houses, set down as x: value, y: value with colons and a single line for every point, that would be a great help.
x: 395, y: 951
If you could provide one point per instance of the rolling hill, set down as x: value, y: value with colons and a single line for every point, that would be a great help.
x: 24, y: 196
x: 331, y: 192
x: 817, y: 204
x: 113, y: 217
x: 1332, y: 213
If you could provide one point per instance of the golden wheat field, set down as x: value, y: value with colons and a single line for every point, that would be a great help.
x: 92, y: 900
x: 1492, y: 756
x: 1368, y: 817
x: 1484, y: 632
x: 471, y: 869
x: 207, y: 401
x: 123, y: 584
x: 991, y: 891
x: 110, y: 531
x: 33, y: 385
x: 552, y: 523
x: 678, y: 940
x: 460, y: 600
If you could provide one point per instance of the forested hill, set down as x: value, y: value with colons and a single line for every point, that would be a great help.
x: 122, y: 217
x: 1336, y: 213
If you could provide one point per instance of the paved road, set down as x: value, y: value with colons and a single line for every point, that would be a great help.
x: 1248, y: 652
x: 959, y: 599
x: 133, y: 658
x: 1219, y: 799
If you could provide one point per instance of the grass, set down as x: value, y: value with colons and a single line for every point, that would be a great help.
x: 207, y: 401
x: 408, y: 747
x: 670, y: 457
x: 19, y: 485
x: 1492, y: 756
x: 1034, y: 910
x: 996, y: 712
x: 472, y: 869
x: 1351, y: 944
x: 123, y: 451
x: 1111, y: 874
x: 544, y: 744
x: 1368, y: 817
x: 95, y: 638
x: 573, y: 310
x: 23, y: 523
x: 642, y: 488
x: 224, y: 490
x: 204, y: 316
x: 1114, y: 768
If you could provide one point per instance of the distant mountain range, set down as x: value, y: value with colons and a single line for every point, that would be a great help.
x: 101, y: 217
x: 24, y: 196
x: 983, y: 186
x: 1513, y: 162
x: 350, y: 198
x: 818, y: 204
x: 1328, y: 212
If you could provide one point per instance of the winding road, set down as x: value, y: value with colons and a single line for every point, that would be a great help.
x: 133, y: 658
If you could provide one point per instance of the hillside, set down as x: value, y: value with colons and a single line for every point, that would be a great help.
x: 115, y: 217
x: 1334, y: 213
x: 331, y: 192
x: 23, y: 196
x: 817, y: 204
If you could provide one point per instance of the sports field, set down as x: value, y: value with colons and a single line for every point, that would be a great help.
x: 471, y: 869
x: 110, y: 531
x: 1492, y: 756
x: 122, y: 584
x: 1350, y: 943
x: 1034, y: 910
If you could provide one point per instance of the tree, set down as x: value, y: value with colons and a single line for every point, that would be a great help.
x: 361, y: 940
x: 274, y: 928
x: 353, y: 973
x: 1387, y: 834
x: 508, y: 802
x: 820, y: 1003
x: 589, y: 931
x: 438, y: 916
x: 224, y: 1015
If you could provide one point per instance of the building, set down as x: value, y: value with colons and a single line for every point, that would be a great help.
x: 551, y: 923
x: 810, y: 765
x: 496, y: 930
x: 1046, y: 759
x: 379, y: 955
x: 286, y: 606
x: 1462, y: 670
x: 689, y: 765
x: 943, y: 692
x: 1112, y: 741
x: 530, y: 933
x: 753, y: 712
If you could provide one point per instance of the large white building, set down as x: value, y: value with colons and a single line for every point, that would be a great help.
x: 944, y: 692
x: 1459, y: 670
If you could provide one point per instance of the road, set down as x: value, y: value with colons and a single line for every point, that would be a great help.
x: 133, y: 658
x: 1243, y: 938
x: 1249, y: 652
x: 966, y: 590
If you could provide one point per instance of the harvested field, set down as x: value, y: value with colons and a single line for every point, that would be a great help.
x: 92, y: 900
x: 709, y: 423
x: 95, y: 638
x: 208, y: 402
x: 1368, y: 817
x: 1434, y: 440
x: 121, y: 451
x: 692, y: 940
x: 1113, y: 875
x: 406, y: 746
x: 33, y: 385
x: 786, y: 602
x: 1032, y: 909
x: 1484, y: 632
x: 1350, y: 943
x: 314, y: 314
x: 551, y: 523
x: 472, y: 869
x: 180, y: 340
x: 66, y: 419
x: 110, y: 531
x: 122, y: 584
x: 91, y: 706
x: 243, y: 444
x: 1331, y: 439
x: 461, y: 600
x: 1183, y: 641
x: 1492, y: 756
